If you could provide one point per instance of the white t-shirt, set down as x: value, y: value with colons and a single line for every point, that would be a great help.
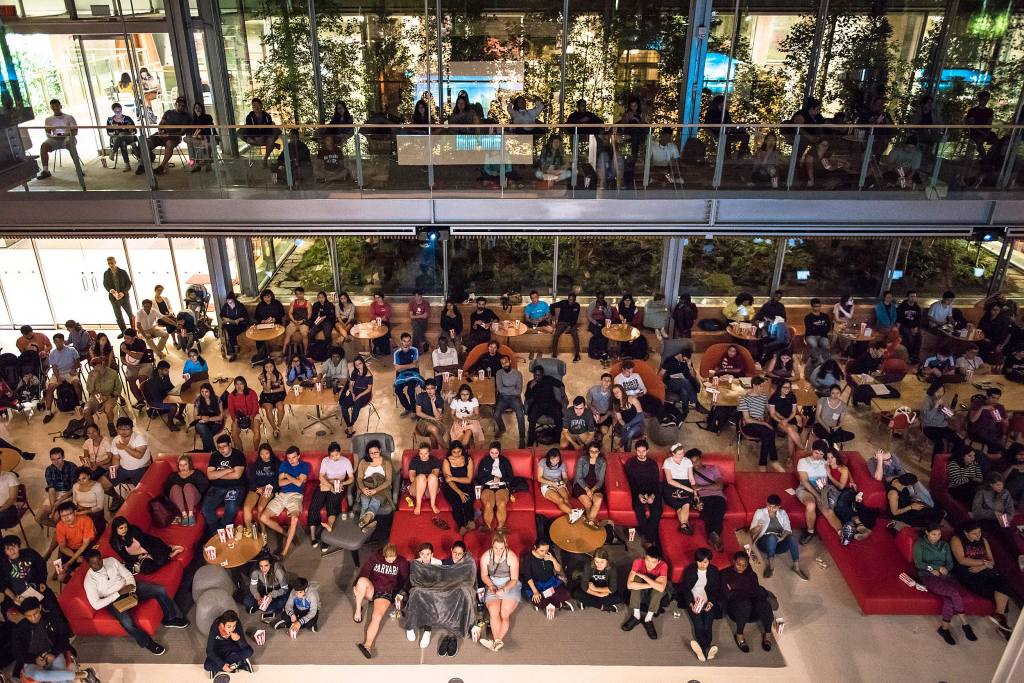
x: 440, y: 360
x: 817, y: 470
x: 678, y: 471
x: 702, y: 582
x: 632, y: 385
x: 662, y: 154
x: 463, y: 409
x: 7, y: 480
x: 60, y: 126
x: 339, y: 469
x: 964, y: 363
x: 129, y: 461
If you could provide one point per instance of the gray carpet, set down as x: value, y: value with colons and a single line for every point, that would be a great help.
x: 583, y: 638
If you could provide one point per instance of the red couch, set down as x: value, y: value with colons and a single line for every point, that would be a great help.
x: 544, y: 506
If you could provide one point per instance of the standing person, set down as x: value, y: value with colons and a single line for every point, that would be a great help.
x: 599, y: 584
x: 909, y: 320
x: 107, y: 581
x: 458, y: 489
x: 224, y: 472
x: 508, y: 382
x: 61, y: 133
x: 336, y: 474
x: 934, y: 562
x: 419, y: 313
x: 700, y: 590
x: 383, y: 580
x: 227, y: 650
x: 117, y: 283
x: 647, y: 585
x: 292, y: 474
x: 499, y: 573
x: 645, y: 488
x: 744, y: 599
x: 567, y: 317
x: 772, y: 532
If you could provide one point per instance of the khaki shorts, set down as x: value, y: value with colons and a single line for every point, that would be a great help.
x: 292, y: 502
x: 141, y: 370
x: 805, y: 497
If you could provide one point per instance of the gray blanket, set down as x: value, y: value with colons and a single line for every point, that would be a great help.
x: 442, y: 596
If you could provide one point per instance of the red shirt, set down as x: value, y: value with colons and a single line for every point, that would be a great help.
x: 40, y: 341
x: 243, y: 404
x: 382, y: 311
x: 421, y: 308
x: 640, y: 567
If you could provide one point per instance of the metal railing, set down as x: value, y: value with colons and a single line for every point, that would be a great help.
x: 620, y: 160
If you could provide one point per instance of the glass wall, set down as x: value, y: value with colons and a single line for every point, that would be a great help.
x: 932, y: 266
x: 23, y: 284
x: 834, y: 267
x: 494, y: 266
x: 613, y: 266
x: 152, y: 264
x: 73, y: 274
x: 726, y: 266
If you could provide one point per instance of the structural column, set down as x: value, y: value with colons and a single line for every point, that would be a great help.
x: 183, y: 50
x: 220, y: 270
x: 213, y: 39
x: 698, y: 29
x: 247, y: 282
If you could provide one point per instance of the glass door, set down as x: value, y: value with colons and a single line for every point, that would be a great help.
x: 73, y: 272
x: 23, y: 286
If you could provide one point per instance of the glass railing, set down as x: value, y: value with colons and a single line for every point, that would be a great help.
x: 618, y: 161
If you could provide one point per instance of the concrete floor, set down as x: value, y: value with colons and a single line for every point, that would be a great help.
x: 826, y: 637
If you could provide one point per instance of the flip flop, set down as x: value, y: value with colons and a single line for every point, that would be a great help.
x: 440, y: 523
x: 358, y: 619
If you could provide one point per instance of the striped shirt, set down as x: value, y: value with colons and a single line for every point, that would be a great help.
x: 756, y: 405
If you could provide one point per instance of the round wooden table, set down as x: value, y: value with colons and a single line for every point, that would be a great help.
x: 370, y: 330
x: 621, y: 332
x: 854, y: 333
x: 510, y: 328
x: 748, y: 333
x: 9, y: 459
x: 961, y: 336
x: 264, y: 335
x: 246, y: 548
x: 576, y: 538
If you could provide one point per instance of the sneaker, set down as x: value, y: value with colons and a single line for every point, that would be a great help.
x: 712, y: 652
x: 549, y: 611
x: 252, y: 609
x: 43, y: 175
x: 314, y: 628
x: 425, y: 639
x: 453, y: 646
x: 47, y: 417
x: 177, y: 622
x: 574, y: 515
x: 651, y: 633
x: 800, y: 572
x: 946, y: 635
x: 442, y: 647
x: 630, y: 623
x: 969, y: 633
x: 697, y: 650
x: 156, y: 648
x: 410, y: 635
x: 1000, y: 621
x: 569, y: 607
x: 221, y: 678
x: 488, y: 643
x: 807, y: 537
x: 279, y: 624
x: 768, y: 571
x: 90, y: 675
x: 246, y: 666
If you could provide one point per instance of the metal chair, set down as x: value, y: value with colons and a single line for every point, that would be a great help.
x: 22, y: 505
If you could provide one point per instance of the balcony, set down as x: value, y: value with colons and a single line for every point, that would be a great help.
x: 640, y: 179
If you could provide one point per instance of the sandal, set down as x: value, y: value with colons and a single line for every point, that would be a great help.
x: 358, y: 619
x: 440, y: 523
x: 741, y: 643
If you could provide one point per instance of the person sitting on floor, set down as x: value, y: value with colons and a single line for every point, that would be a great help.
x: 743, y: 599
x: 268, y: 589
x: 599, y: 584
x: 543, y: 580
x: 41, y: 645
x: 442, y: 595
x: 647, y: 585
x: 302, y: 608
x: 700, y: 591
x: 227, y: 650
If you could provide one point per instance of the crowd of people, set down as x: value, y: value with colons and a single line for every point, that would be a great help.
x: 831, y: 152
x: 82, y: 373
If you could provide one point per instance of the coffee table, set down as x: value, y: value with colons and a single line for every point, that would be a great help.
x: 244, y: 550
x: 9, y: 459
x: 266, y: 334
x: 748, y: 332
x: 312, y: 397
x: 576, y: 538
x: 620, y: 332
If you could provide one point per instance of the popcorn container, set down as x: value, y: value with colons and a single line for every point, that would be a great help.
x: 265, y: 602
x: 337, y: 486
x: 113, y: 472
x: 210, y: 552
x: 480, y: 374
x: 268, y: 490
x: 319, y: 387
x: 460, y: 373
x: 632, y: 534
x: 293, y: 633
x: 58, y: 565
x: 477, y: 489
x: 260, y: 637
x: 222, y: 535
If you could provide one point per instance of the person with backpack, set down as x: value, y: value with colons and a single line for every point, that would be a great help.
x: 64, y: 387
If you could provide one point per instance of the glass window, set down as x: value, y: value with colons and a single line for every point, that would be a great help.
x: 610, y: 265
x: 725, y: 266
x: 152, y: 265
x: 43, y: 8
x: 833, y: 267
x: 393, y: 266
x: 23, y: 284
x: 73, y: 271
x: 1013, y: 283
x: 932, y: 266
x: 495, y: 265
x: 192, y: 266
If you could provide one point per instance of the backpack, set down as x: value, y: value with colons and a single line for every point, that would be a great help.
x: 65, y: 397
x: 162, y: 512
x: 74, y: 430
x: 711, y: 325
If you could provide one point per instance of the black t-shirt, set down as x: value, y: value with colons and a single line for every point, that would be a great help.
x: 579, y: 424
x: 908, y: 315
x: 599, y: 578
x: 817, y: 325
x: 674, y: 366
x: 221, y: 462
x: 331, y: 158
x: 485, y: 316
x: 783, y: 404
x: 423, y: 401
x: 137, y: 346
x: 418, y: 466
x: 568, y: 311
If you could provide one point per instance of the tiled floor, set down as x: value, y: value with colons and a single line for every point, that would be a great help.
x: 827, y: 638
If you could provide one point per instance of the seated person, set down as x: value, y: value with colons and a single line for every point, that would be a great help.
x: 244, y: 410
x: 302, y: 608
x: 227, y: 650
x: 967, y: 365
x: 537, y: 314
x: 599, y: 584
x: 647, y: 586
x: 107, y: 581
x: 493, y: 475
x: 740, y: 309
x: 196, y: 369
x: 156, y: 389
x: 336, y: 474
x: 225, y: 473
x: 234, y: 319
x: 829, y: 415
x: 588, y: 483
x: 301, y: 371
x: 424, y: 477
x: 633, y: 384
x: 885, y: 466
x: 296, y: 333
x: 731, y: 363
x: 173, y: 125
x: 297, y: 156
x: 374, y: 475
x: 543, y: 580
x: 599, y: 400
x: 709, y: 483
x: 1013, y: 476
x: 665, y: 157
x: 323, y: 317
x: 645, y: 489
x: 783, y: 366
x: 74, y: 535
x: 678, y: 491
x: 330, y: 162
x: 64, y: 366
x: 407, y: 374
x: 939, y: 368
x: 268, y: 589
x: 334, y: 370
x: 869, y: 363
x: 784, y: 414
x: 987, y: 422
x: 489, y: 362
x: 139, y: 551
x: 444, y: 358
x: 41, y: 644
x: 382, y: 580
x: 772, y: 533
x: 743, y: 599
x: 813, y: 473
x: 23, y: 575
x: 430, y: 413
x: 964, y: 475
x: 60, y: 476
x: 553, y: 166
x: 753, y: 407
x: 466, y: 426
x: 933, y: 560
x: 902, y: 164
x: 941, y: 312
x: 545, y: 398
x: 480, y: 321
x: 451, y: 324
x: 186, y: 330
x: 906, y: 507
x: 260, y: 137
x: 974, y: 569
x: 680, y: 379
x: 993, y: 505
x: 579, y: 428
x: 553, y: 478
x: 89, y: 498
x: 185, y: 488
x: 442, y: 595
x: 291, y: 480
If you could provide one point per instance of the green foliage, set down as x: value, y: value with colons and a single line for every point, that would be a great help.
x: 609, y: 265
x: 723, y: 266
x: 935, y: 265
x: 389, y: 58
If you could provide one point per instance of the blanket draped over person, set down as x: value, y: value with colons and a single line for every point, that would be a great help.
x: 442, y: 596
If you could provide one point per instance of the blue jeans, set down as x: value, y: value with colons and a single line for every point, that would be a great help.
x: 770, y: 545
x: 633, y: 429
x: 56, y: 672
x: 367, y: 504
x: 683, y: 389
x: 206, y: 432
x: 231, y: 499
x: 146, y: 591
